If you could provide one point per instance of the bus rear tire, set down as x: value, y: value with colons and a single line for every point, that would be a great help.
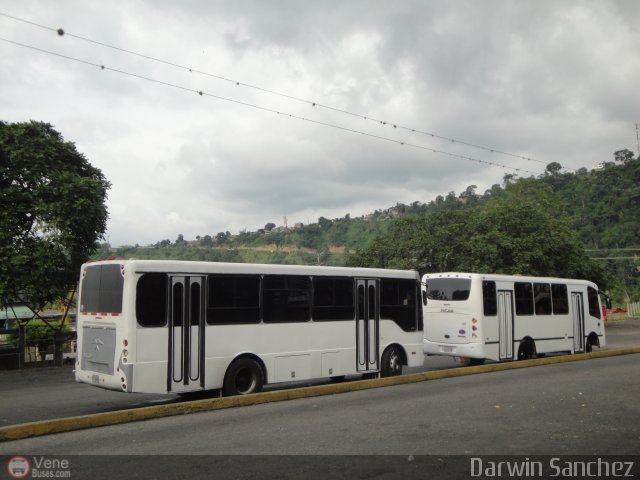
x: 243, y: 377
x: 526, y: 350
x: 391, y: 362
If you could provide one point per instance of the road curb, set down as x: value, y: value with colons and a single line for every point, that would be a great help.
x: 46, y: 427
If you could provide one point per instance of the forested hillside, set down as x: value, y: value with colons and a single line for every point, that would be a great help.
x: 602, y: 209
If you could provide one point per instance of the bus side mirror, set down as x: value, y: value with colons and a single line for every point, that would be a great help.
x: 424, y: 297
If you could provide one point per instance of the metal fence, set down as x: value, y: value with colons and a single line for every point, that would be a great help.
x: 18, y: 352
x: 633, y: 309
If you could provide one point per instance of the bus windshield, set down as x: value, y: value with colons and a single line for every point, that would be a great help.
x: 101, y: 289
x: 448, y: 289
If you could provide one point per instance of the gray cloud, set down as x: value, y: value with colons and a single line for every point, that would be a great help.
x: 551, y: 80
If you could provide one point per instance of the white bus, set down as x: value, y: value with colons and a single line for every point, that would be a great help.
x: 498, y: 317
x: 172, y: 326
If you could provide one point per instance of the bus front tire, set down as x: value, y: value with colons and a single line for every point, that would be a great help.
x: 243, y: 377
x: 588, y: 347
x: 391, y: 362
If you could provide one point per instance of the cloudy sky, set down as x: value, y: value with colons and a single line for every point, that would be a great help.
x: 537, y: 81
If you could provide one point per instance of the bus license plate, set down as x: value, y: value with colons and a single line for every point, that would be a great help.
x: 95, y: 379
x: 447, y: 349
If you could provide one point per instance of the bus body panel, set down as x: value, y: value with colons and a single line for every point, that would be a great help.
x: 154, y: 359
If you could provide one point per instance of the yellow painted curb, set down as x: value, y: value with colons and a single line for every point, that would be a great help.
x: 45, y: 427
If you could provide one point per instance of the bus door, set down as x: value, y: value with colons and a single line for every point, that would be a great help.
x: 367, y: 320
x: 577, y: 302
x: 505, y: 326
x: 186, y: 333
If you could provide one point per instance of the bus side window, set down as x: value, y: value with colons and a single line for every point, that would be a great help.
x: 333, y: 299
x: 151, y: 300
x: 524, y: 298
x: 489, y: 300
x: 560, y: 299
x: 542, y: 298
x: 233, y: 299
x: 398, y: 302
x: 286, y: 298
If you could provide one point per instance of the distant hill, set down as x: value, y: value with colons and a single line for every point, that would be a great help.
x: 604, y: 203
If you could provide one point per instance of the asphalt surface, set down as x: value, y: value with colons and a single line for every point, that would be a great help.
x: 576, y: 408
x: 36, y: 394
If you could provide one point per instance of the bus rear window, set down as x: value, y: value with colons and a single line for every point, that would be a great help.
x: 448, y: 289
x: 102, y: 289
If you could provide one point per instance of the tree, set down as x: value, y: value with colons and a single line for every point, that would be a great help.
x: 52, y: 212
x: 525, y: 230
x: 206, y: 241
x: 553, y: 169
x: 324, y: 222
x: 269, y: 226
x: 435, y: 243
x: 623, y: 156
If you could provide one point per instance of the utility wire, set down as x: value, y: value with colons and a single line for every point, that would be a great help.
x: 266, y: 109
x: 62, y: 32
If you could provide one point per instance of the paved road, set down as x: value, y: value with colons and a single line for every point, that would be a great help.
x: 40, y: 394
x: 558, y: 409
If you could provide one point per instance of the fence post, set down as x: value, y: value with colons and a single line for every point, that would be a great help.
x: 58, y: 343
x: 21, y: 345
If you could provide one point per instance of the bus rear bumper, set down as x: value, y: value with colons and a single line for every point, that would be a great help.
x: 468, y: 350
x: 102, y: 380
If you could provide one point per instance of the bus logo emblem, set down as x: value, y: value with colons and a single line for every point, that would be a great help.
x: 98, y: 343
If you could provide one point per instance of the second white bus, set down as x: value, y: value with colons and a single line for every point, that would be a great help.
x: 171, y: 326
x: 499, y: 317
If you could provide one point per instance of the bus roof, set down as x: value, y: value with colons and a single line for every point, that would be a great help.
x: 188, y: 267
x: 508, y: 278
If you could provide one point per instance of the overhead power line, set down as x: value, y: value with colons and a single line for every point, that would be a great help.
x: 62, y: 32
x: 611, y: 249
x: 265, y: 109
x: 613, y: 258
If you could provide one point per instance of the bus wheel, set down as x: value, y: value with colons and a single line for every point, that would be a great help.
x: 526, y: 351
x: 243, y: 377
x: 588, y: 347
x: 391, y: 362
